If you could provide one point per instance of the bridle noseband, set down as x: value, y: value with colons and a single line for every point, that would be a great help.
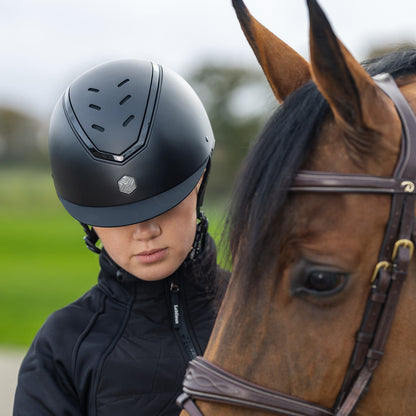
x: 207, y: 382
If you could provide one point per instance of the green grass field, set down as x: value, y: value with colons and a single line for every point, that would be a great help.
x: 44, y: 264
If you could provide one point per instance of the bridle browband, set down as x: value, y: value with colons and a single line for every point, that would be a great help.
x: 207, y: 382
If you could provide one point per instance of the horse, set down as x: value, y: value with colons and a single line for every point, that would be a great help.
x: 319, y: 317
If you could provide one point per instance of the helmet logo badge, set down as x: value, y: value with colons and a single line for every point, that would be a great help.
x: 127, y: 184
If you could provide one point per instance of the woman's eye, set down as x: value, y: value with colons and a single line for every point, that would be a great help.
x: 321, y: 283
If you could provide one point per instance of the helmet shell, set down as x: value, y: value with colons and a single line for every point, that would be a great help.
x: 128, y: 141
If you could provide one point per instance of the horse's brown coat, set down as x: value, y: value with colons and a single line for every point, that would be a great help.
x: 302, y: 345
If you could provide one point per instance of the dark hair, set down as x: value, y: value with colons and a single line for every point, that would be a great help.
x: 283, y: 146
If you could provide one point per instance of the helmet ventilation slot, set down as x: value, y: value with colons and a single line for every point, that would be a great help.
x: 123, y: 82
x: 126, y: 98
x: 97, y: 127
x: 127, y: 121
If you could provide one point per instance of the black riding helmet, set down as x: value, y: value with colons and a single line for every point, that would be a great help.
x: 128, y: 141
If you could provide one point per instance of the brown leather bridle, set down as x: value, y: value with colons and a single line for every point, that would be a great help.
x: 207, y: 382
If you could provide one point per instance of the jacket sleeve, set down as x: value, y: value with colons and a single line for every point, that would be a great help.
x: 44, y: 384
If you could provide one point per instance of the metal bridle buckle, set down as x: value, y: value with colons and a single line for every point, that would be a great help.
x: 386, y: 265
x: 382, y: 265
x: 403, y: 243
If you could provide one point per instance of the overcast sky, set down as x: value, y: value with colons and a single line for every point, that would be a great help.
x: 47, y: 43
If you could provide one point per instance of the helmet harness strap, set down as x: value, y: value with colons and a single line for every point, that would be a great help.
x: 202, y: 227
x: 201, y: 232
x: 90, y: 238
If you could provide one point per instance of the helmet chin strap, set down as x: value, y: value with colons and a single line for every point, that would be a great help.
x: 202, y: 227
x: 90, y: 238
x: 201, y: 232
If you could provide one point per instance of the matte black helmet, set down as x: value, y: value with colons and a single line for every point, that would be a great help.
x: 128, y: 141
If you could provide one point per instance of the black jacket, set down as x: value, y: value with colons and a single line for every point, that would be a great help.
x: 122, y: 348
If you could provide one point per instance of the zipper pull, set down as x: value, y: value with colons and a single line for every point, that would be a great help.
x: 174, y: 293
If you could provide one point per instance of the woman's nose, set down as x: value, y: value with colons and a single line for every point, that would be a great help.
x: 146, y: 230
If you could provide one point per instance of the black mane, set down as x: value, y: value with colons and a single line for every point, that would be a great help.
x: 270, y: 166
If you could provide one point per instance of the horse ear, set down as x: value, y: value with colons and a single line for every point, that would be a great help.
x: 354, y: 98
x: 284, y: 68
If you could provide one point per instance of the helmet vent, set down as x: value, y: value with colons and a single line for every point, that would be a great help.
x: 123, y: 82
x: 128, y: 119
x: 112, y: 112
x: 95, y: 107
x: 97, y: 127
x: 126, y: 98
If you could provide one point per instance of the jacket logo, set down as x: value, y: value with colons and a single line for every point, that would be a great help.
x: 176, y: 314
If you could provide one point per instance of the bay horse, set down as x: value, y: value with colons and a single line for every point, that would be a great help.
x: 319, y: 318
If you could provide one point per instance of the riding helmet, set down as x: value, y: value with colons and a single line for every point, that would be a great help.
x: 128, y: 141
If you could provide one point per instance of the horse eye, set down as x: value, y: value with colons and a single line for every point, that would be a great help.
x: 322, y: 283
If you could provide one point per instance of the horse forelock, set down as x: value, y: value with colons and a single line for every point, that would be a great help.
x: 255, y: 221
x: 267, y: 173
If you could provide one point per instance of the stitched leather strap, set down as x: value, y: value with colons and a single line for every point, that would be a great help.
x: 185, y: 401
x: 204, y: 380
x: 312, y: 181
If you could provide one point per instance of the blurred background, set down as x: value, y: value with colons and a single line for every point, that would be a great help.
x: 46, y: 44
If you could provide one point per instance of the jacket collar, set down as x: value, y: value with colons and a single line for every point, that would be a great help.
x: 123, y: 286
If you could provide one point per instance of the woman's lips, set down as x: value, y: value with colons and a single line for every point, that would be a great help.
x: 152, y: 256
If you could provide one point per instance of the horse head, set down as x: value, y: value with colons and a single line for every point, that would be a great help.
x: 307, y: 262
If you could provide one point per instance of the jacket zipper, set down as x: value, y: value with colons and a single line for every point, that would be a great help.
x: 179, y: 323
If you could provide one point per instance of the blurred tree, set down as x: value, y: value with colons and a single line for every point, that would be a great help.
x: 22, y: 139
x: 238, y: 101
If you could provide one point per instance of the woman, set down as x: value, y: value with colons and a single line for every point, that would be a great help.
x: 130, y: 151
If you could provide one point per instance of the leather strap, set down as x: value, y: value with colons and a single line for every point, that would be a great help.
x: 204, y: 380
x: 371, y: 355
x: 185, y: 401
x: 312, y: 181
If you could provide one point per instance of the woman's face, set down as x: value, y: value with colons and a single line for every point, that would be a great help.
x: 153, y: 249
